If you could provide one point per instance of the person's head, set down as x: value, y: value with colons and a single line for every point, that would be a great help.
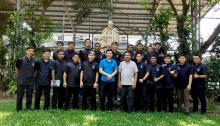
x: 114, y: 46
x: 30, y: 52
x: 130, y: 48
x: 87, y: 43
x: 75, y: 58
x: 109, y: 53
x: 150, y: 49
x: 167, y: 59
x: 197, y: 59
x: 157, y: 46
x: 46, y: 54
x: 153, y: 59
x: 60, y: 55
x: 139, y: 57
x: 98, y: 46
x: 182, y: 59
x: 110, y: 24
x: 139, y: 46
x: 91, y: 56
x: 71, y: 45
x: 127, y: 56
x: 59, y: 45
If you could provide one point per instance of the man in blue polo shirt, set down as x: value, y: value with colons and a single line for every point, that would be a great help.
x: 199, y: 84
x: 108, y: 69
x: 184, y: 82
x: 25, y: 69
x: 44, y: 70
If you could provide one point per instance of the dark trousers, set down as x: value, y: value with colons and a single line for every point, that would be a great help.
x: 159, y: 95
x: 115, y: 86
x: 168, y: 99
x: 127, y: 98
x: 106, y: 89
x: 58, y: 97
x: 151, y: 93
x: 199, y: 93
x: 39, y: 90
x: 71, y: 91
x: 21, y: 89
x: 89, y: 92
x: 141, y: 97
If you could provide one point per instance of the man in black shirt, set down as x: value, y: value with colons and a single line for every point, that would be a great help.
x: 89, y: 81
x: 98, y: 53
x: 70, y: 51
x: 71, y: 80
x: 44, y: 70
x: 26, y: 71
x: 59, y: 47
x: 83, y: 54
x: 140, y: 97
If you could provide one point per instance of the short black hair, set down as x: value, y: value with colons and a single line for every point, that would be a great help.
x: 30, y: 47
x: 139, y: 43
x: 71, y: 43
x: 157, y: 43
x: 107, y: 50
x: 91, y: 52
x: 86, y: 40
x: 60, y: 51
x: 97, y: 44
x: 181, y: 55
x: 138, y: 53
x: 153, y: 55
x: 46, y: 50
x: 75, y: 54
x: 198, y: 55
x: 59, y: 42
x: 126, y: 52
x: 167, y: 55
x: 114, y: 43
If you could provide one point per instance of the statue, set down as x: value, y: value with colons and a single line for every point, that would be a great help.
x: 109, y: 35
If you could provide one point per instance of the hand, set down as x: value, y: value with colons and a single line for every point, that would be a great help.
x: 141, y: 80
x: 172, y: 72
x: 188, y: 87
x: 119, y: 85
x: 95, y: 85
x: 52, y: 84
x: 196, y: 76
x: 81, y: 85
x: 156, y: 79
x: 65, y: 85
x: 109, y: 77
x: 133, y: 86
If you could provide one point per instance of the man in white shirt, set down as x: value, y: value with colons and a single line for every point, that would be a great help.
x: 127, y: 79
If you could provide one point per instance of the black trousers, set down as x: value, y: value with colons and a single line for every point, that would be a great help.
x: 127, y: 98
x: 106, y: 90
x: 71, y: 91
x: 21, y: 90
x: 39, y: 90
x: 58, y: 97
x: 115, y: 87
x: 151, y: 93
x: 141, y: 97
x: 89, y: 93
x: 168, y: 99
x: 199, y: 94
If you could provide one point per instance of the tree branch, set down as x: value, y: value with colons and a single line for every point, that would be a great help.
x: 173, y: 7
x: 210, y: 40
x: 185, y: 7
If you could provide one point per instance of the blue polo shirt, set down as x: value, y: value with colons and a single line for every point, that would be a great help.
x: 108, y: 66
x: 183, y: 72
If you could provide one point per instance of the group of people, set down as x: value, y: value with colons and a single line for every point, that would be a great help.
x: 145, y: 80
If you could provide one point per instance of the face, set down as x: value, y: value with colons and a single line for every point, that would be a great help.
x: 153, y: 60
x: 75, y: 58
x: 59, y: 46
x: 46, y: 55
x: 182, y: 59
x: 139, y: 57
x: 60, y: 55
x: 97, y: 47
x: 109, y: 54
x: 91, y: 57
x: 71, y: 46
x: 88, y: 44
x: 30, y: 52
x: 149, y: 49
x: 114, y: 46
x: 157, y: 46
x: 127, y: 56
x: 196, y: 59
x: 110, y: 24
x: 167, y: 60
x: 139, y: 47
x: 130, y: 48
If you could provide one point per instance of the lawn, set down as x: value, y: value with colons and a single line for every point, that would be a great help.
x: 8, y: 117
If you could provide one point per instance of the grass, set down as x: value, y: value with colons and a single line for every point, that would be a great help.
x: 8, y: 117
